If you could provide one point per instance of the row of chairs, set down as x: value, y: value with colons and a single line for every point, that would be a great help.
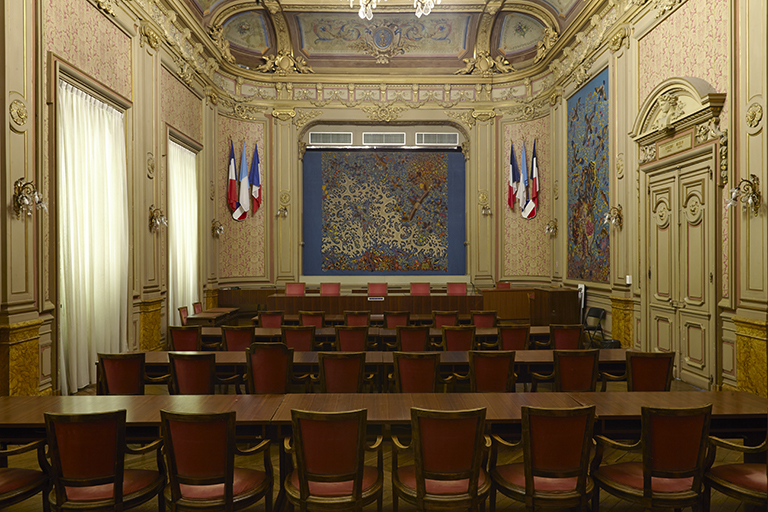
x: 197, y: 307
x: 373, y: 289
x: 392, y: 319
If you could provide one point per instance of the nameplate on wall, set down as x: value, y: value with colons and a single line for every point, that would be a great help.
x: 378, y: 299
x: 675, y: 146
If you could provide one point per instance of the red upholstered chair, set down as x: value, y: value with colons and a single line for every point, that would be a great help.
x: 186, y: 338
x: 357, y: 318
x: 514, y: 337
x: 300, y: 339
x: 314, y: 318
x: 269, y: 368
x: 673, y: 443
x: 18, y: 484
x: 447, y: 473
x: 575, y: 370
x: 416, y: 372
x: 458, y: 338
x: 201, y: 450
x: 195, y: 374
x: 646, y: 371
x: 395, y: 319
x: 483, y: 319
x: 377, y: 289
x: 503, y: 285
x: 197, y: 307
x: 123, y: 374
x: 237, y: 338
x: 747, y: 482
x: 556, y: 446
x: 457, y: 288
x: 330, y: 289
x: 564, y: 337
x: 271, y: 319
x: 413, y: 338
x: 351, y: 339
x: 87, y: 453
x: 330, y: 462
x: 341, y: 372
x: 294, y: 289
x: 183, y: 314
x: 492, y: 371
x: 420, y: 289
x: 441, y: 318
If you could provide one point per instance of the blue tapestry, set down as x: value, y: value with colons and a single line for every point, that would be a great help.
x: 588, y: 187
x: 383, y: 212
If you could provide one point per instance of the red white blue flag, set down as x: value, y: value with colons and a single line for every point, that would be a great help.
x: 514, y: 177
x: 522, y: 188
x: 232, y: 183
x: 533, y: 204
x: 255, y: 178
x: 244, y: 197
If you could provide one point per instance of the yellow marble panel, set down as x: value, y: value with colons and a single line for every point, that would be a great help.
x: 621, y: 320
x: 751, y: 369
x: 19, y: 358
x: 211, y: 298
x: 151, y: 316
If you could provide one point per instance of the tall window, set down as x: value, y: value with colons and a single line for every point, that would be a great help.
x: 92, y: 199
x: 183, y: 282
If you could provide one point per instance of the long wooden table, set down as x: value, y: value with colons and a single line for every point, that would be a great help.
x: 213, y: 316
x: 336, y: 305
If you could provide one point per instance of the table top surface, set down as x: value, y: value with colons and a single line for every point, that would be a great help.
x: 276, y: 332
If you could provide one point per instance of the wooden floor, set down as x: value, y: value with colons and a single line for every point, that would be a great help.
x: 720, y: 503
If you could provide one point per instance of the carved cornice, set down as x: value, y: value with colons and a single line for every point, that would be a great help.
x: 241, y: 110
x: 484, y: 27
x: 106, y: 6
x: 578, y: 57
x: 211, y: 96
x: 532, y: 108
x: 305, y: 116
x: 148, y: 36
x: 221, y: 44
x: 546, y: 44
x: 664, y: 6
x: 284, y: 63
x: 485, y: 66
x: 385, y: 112
x: 619, y: 38
x: 464, y: 117
x: 283, y: 114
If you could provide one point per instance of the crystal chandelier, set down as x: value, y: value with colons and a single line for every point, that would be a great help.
x: 366, y: 8
x: 424, y: 7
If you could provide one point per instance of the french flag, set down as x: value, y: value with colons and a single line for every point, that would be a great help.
x: 255, y: 179
x: 533, y: 204
x: 244, y: 198
x: 514, y: 177
x: 522, y: 187
x: 232, y: 184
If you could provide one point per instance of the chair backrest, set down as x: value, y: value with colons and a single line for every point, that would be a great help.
x: 395, y: 319
x: 341, y: 372
x: 197, y: 307
x: 649, y: 371
x: 377, y: 289
x: 593, y: 317
x: 352, y: 339
x: 187, y: 338
x: 457, y: 288
x: 514, y: 337
x: 300, y: 339
x: 183, y: 314
x: 483, y: 319
x: 314, y: 318
x: 330, y: 447
x: 557, y: 444
x: 420, y: 289
x: 294, y: 289
x: 416, y: 372
x: 674, y: 443
x: 447, y: 446
x: 192, y: 374
x: 459, y: 337
x: 269, y: 368
x: 271, y: 319
x: 576, y: 370
x: 503, y: 285
x: 237, y: 338
x: 414, y: 338
x: 120, y: 374
x: 330, y: 289
x: 357, y: 318
x: 441, y: 318
x: 492, y: 371
x: 566, y: 336
x: 200, y: 450
x: 100, y: 436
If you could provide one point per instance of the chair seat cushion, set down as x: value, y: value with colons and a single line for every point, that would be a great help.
x: 630, y: 474
x: 332, y: 489
x: 135, y: 481
x: 246, y: 481
x: 13, y: 479
x: 513, y: 476
x: 407, y: 477
x: 747, y: 476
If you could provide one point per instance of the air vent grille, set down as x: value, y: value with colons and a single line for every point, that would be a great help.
x: 330, y: 139
x: 437, y: 139
x: 383, y: 139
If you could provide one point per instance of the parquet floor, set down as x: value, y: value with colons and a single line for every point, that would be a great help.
x: 720, y: 503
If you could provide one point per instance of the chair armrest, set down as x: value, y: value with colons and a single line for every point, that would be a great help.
x: 722, y: 443
x: 397, y: 444
x: 435, y: 346
x: 542, y: 344
x: 605, y: 377
x: 154, y: 445
x: 459, y: 376
x: 264, y: 445
x: 376, y: 446
x: 484, y: 345
x: 35, y: 445
x: 233, y: 379
x: 163, y: 379
x: 488, y: 443
x: 604, y: 441
x: 502, y: 442
x: 287, y: 445
x: 538, y: 377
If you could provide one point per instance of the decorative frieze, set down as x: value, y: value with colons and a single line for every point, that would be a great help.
x: 647, y: 153
x: 710, y: 131
x: 383, y: 112
x: 284, y: 63
x: 485, y: 65
x: 305, y: 116
x: 546, y: 44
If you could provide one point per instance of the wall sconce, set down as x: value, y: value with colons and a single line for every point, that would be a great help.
x: 217, y: 229
x: 749, y: 193
x: 486, y: 210
x: 614, y: 216
x: 282, y: 211
x: 156, y: 219
x: 26, y: 198
x: 551, y: 227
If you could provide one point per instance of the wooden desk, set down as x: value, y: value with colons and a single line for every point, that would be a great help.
x: 214, y: 316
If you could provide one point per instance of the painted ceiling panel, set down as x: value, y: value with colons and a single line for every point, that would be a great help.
x: 247, y: 30
x: 519, y: 32
x: 562, y: 6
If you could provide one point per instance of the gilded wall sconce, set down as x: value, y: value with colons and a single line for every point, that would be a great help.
x: 614, y: 217
x: 551, y: 227
x: 486, y: 210
x: 748, y: 191
x: 26, y: 198
x: 217, y: 229
x: 282, y: 211
x: 156, y: 219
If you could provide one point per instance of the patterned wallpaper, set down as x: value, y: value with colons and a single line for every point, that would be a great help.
x: 534, y: 256
x: 82, y: 35
x: 242, y: 247
x: 180, y: 107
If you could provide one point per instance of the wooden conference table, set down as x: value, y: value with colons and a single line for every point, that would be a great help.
x: 213, y: 316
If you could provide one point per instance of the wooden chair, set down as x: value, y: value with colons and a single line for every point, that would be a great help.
x: 294, y: 289
x: 342, y: 372
x: 271, y: 319
x: 673, y: 444
x: 20, y: 484
x: 377, y: 289
x: 514, y: 337
x: 492, y: 371
x: 447, y: 473
x: 645, y: 371
x: 237, y: 338
x: 269, y: 368
x: 123, y: 374
x: 197, y: 307
x: 195, y: 374
x: 747, y: 482
x: 460, y: 337
x: 357, y: 318
x: 395, y: 319
x: 330, y: 469
x: 300, y: 339
x: 564, y: 337
x: 417, y: 372
x: 201, y: 450
x: 574, y: 370
x: 351, y: 339
x: 98, y: 481
x: 187, y: 338
x: 183, y: 314
x: 420, y: 289
x: 441, y: 318
x: 412, y: 338
x: 556, y: 447
x: 330, y: 289
x: 315, y: 319
x: 457, y: 288
x: 483, y: 319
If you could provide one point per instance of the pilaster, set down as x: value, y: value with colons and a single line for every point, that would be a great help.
x: 622, y: 309
x: 751, y: 337
x: 151, y: 317
x: 19, y: 358
x: 211, y: 298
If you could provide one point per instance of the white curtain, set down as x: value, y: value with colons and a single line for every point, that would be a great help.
x: 92, y: 209
x: 183, y: 269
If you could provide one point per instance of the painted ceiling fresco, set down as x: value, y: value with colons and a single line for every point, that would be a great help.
x: 562, y: 6
x: 247, y: 30
x: 519, y: 32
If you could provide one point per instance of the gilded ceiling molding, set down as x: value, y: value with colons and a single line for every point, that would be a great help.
x: 185, y: 70
x: 216, y: 32
x: 283, y: 114
x: 464, y: 117
x: 106, y: 6
x: 485, y: 26
x: 578, y: 58
x: 619, y: 38
x: 391, y: 33
x: 284, y: 63
x: 241, y: 110
x: 305, y: 116
x: 385, y: 112
x: 211, y: 96
x: 485, y: 66
x: 280, y: 25
x: 546, y: 44
x: 664, y: 6
x: 484, y: 116
x: 530, y: 108
x: 148, y: 36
